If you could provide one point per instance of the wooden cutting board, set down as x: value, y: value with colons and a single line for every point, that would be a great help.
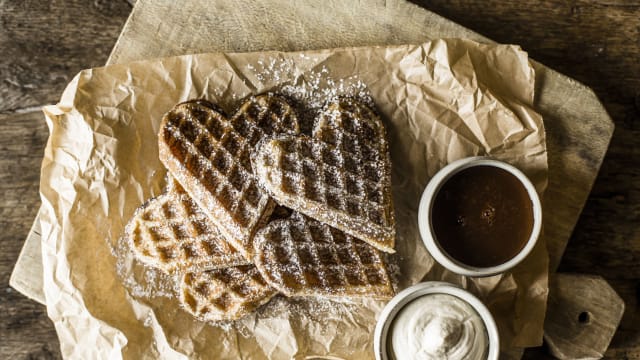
x: 578, y: 127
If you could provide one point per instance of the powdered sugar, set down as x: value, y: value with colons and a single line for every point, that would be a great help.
x: 317, y: 88
x: 302, y: 257
x: 142, y: 281
x: 311, y: 91
x: 172, y: 233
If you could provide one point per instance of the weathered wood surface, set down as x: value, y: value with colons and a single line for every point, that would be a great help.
x: 582, y: 316
x: 43, y: 45
x: 597, y: 43
x: 160, y: 29
x: 25, y: 329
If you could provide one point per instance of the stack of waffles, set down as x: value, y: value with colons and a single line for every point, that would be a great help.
x: 253, y: 207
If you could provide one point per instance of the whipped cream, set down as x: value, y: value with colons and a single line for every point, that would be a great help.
x: 438, y: 326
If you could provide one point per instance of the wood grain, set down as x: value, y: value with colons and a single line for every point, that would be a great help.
x: 596, y: 42
x: 25, y: 329
x: 43, y: 45
x: 577, y: 128
x: 582, y: 317
x: 48, y: 42
x: 578, y: 133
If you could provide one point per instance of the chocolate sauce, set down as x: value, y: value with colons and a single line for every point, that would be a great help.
x: 482, y: 216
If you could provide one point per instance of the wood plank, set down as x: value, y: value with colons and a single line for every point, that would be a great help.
x: 27, y: 276
x: 166, y: 28
x: 626, y: 341
x: 25, y: 329
x: 577, y: 140
x: 597, y: 43
x: 607, y: 238
x: 48, y: 42
x: 567, y: 49
x: 574, y: 157
x: 627, y: 338
x: 583, y: 314
x: 44, y: 44
x: 594, y: 42
x: 576, y: 143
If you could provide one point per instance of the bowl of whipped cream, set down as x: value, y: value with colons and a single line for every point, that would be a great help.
x: 436, y: 320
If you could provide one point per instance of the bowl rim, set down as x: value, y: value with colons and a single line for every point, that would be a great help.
x: 391, y: 310
x: 426, y: 227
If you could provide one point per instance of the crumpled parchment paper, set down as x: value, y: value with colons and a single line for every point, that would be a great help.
x: 440, y: 101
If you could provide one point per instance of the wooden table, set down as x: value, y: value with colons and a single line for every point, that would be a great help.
x: 597, y: 43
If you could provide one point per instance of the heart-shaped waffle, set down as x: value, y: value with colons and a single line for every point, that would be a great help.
x: 224, y: 294
x: 341, y: 176
x: 170, y: 232
x: 300, y: 256
x: 208, y: 155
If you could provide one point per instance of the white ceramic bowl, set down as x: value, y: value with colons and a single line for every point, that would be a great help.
x: 426, y: 229
x: 382, y: 342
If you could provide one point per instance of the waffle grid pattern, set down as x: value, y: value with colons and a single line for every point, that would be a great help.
x: 303, y: 257
x: 264, y: 115
x: 209, y: 155
x: 359, y: 139
x: 170, y: 232
x: 224, y: 294
x: 341, y: 176
x: 216, y: 160
x: 327, y: 175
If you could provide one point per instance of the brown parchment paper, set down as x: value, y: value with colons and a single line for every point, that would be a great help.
x: 440, y: 101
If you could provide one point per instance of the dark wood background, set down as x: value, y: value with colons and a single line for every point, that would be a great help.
x: 43, y: 44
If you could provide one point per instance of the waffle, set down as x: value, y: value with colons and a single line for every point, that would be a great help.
x: 170, y: 232
x: 224, y: 294
x: 262, y: 115
x: 300, y: 256
x: 208, y: 155
x: 341, y: 176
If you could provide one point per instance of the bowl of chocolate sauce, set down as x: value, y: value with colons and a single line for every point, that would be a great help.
x: 479, y: 216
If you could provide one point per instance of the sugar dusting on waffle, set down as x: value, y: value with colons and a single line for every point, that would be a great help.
x: 311, y: 92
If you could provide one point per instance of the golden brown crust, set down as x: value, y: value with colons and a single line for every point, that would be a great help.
x: 224, y: 294
x: 208, y: 155
x: 170, y: 232
x: 300, y: 256
x: 341, y: 176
